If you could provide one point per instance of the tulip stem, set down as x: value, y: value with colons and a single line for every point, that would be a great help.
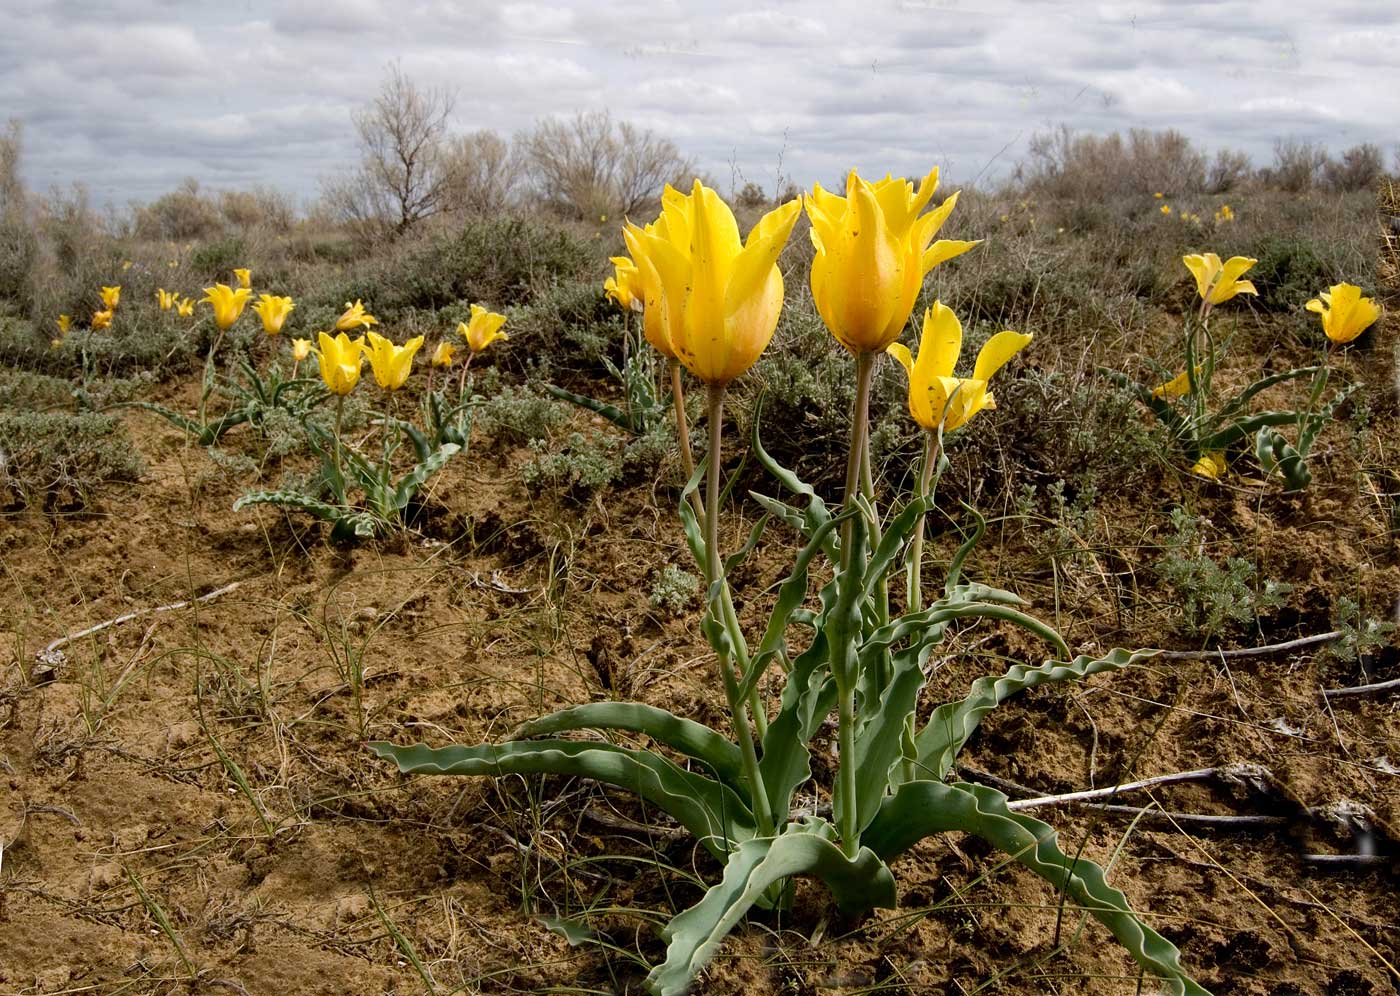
x: 915, y: 593
x: 714, y: 569
x: 683, y: 435
x: 339, y: 473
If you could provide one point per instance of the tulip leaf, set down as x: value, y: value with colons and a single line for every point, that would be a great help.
x: 690, y: 525
x: 205, y: 433
x: 808, y: 697
x: 953, y: 723
x: 1237, y: 403
x: 612, y: 413
x: 1232, y: 433
x: 897, y: 532
x: 921, y: 808
x: 694, y: 936
x: 690, y: 738
x: 817, y: 512
x: 965, y: 548
x: 345, y: 520
x: 714, y: 813
x: 1276, y: 453
x: 410, y: 483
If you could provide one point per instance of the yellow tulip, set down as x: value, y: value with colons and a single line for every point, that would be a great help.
x: 442, y: 356
x: 227, y: 303
x: 245, y: 277
x: 273, y: 311
x: 1178, y: 387
x: 648, y: 290
x: 101, y: 319
x: 301, y: 349
x: 354, y: 317
x: 625, y: 288
x: 341, y: 360
x: 126, y: 264
x: 185, y: 308
x: 165, y: 298
x: 64, y: 323
x: 1159, y: 195
x: 873, y: 252
x: 55, y: 343
x: 484, y: 329
x: 1217, y: 282
x: 391, y: 364
x: 110, y: 297
x: 1165, y: 209
x: 1210, y: 466
x: 719, y: 297
x: 936, y: 395
x: 1345, y: 313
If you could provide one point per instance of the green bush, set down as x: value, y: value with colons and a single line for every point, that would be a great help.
x: 1289, y: 272
x: 217, y: 260
x: 62, y: 458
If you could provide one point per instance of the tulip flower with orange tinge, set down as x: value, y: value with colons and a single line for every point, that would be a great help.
x: 483, y: 329
x: 185, y: 309
x: 354, y: 317
x: 442, y: 356
x: 244, y: 277
x: 1345, y: 313
x: 1218, y: 282
x: 937, y: 397
x: 273, y: 311
x: 110, y: 297
x: 625, y: 287
x: 874, y: 249
x: 64, y: 323
x: 166, y: 299
x: 391, y: 364
x: 720, y: 297
x: 101, y: 319
x: 341, y: 360
x: 227, y: 303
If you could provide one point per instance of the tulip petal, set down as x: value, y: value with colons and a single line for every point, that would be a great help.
x: 940, y: 343
x: 944, y: 250
x: 765, y: 245
x: 997, y: 351
x: 901, y: 353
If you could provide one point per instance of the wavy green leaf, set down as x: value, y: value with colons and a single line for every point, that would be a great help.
x: 921, y: 808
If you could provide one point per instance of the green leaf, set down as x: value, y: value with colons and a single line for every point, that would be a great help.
x: 817, y: 512
x: 1237, y: 403
x: 1165, y: 412
x: 922, y: 808
x: 1275, y: 453
x: 965, y: 548
x: 1239, y: 429
x: 346, y: 520
x: 897, y: 532
x: 694, y: 936
x: 610, y: 412
x: 953, y: 723
x: 879, y: 742
x: 714, y: 813
x: 684, y: 735
x: 410, y: 483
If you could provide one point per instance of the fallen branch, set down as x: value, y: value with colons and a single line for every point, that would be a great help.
x: 1199, y: 775
x: 47, y: 654
x: 1272, y: 648
x: 1362, y: 691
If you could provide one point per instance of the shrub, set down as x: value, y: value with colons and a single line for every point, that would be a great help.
x: 1214, y: 596
x: 216, y: 260
x: 62, y: 457
x: 1289, y: 272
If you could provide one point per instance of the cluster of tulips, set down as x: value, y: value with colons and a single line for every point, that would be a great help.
x: 101, y: 319
x: 1223, y: 214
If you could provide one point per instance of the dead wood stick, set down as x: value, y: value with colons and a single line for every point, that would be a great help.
x: 63, y: 641
x: 1272, y: 648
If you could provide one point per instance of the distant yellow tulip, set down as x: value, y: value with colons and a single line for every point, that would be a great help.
x: 301, y: 349
x: 341, y: 360
x: 64, y: 323
x: 110, y: 297
x: 126, y: 265
x: 442, y: 356
x: 1345, y: 313
x: 245, y: 277
x: 354, y: 317
x: 273, y: 311
x: 391, y: 364
x: 1165, y: 209
x: 1159, y: 195
x: 484, y: 328
x: 936, y: 395
x: 165, y: 298
x: 227, y: 303
x: 1217, y: 282
x: 625, y: 287
x: 101, y: 319
x: 720, y: 297
x: 185, y: 308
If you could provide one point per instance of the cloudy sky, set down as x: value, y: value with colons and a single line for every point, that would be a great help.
x: 130, y: 96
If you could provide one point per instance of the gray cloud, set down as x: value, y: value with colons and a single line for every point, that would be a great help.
x: 128, y: 97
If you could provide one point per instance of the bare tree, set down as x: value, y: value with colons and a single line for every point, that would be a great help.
x: 1357, y: 169
x: 12, y: 196
x: 401, y: 178
x: 1297, y: 165
x: 1228, y: 170
x: 482, y: 173
x: 591, y: 166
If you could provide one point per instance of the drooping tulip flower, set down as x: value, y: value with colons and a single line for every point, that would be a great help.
x: 1178, y: 387
x: 1217, y: 282
x: 1210, y: 466
x: 185, y: 308
x: 227, y: 303
x: 244, y: 277
x: 1345, y: 313
x: 165, y: 298
x: 101, y: 319
x: 442, y: 356
x: 936, y: 395
x: 873, y: 252
x: 273, y: 311
x: 483, y: 329
x: 64, y: 323
x: 341, y: 360
x: 720, y: 297
x: 354, y: 317
x: 391, y: 364
x: 625, y: 287
x: 110, y: 297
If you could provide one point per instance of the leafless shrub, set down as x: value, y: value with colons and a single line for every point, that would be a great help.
x: 1358, y: 168
x: 591, y: 166
x: 18, y: 245
x: 261, y: 207
x: 1073, y: 166
x: 182, y: 215
x: 1297, y: 165
x: 482, y: 174
x: 1229, y: 170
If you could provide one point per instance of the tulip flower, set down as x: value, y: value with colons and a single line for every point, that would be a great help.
x: 648, y: 287
x: 442, y: 356
x: 484, y: 328
x: 720, y: 297
x: 185, y: 308
x: 244, y: 277
x: 1159, y: 195
x: 354, y: 317
x: 1165, y: 209
x: 101, y: 319
x: 391, y: 364
x: 938, y: 397
x: 1345, y: 313
x: 64, y: 323
x: 126, y: 264
x: 165, y: 298
x: 273, y: 311
x: 873, y: 252
x: 227, y: 303
x: 1217, y: 282
x: 1210, y: 466
x: 626, y: 287
x: 110, y: 297
x: 341, y: 360
x: 1178, y: 387
x: 301, y: 349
